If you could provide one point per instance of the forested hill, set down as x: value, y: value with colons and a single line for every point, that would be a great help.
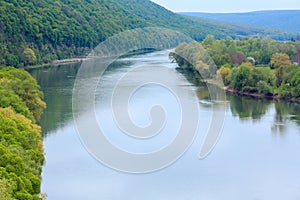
x: 39, y: 31
x: 281, y: 19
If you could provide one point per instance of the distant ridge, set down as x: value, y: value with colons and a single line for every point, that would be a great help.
x: 279, y: 19
x: 40, y: 31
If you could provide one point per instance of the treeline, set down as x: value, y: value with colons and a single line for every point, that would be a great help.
x: 21, y: 148
x: 34, y: 32
x: 256, y: 67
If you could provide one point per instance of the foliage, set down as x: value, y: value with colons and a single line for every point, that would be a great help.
x: 264, y: 88
x: 21, y: 149
x: 34, y: 32
x: 279, y: 60
x: 266, y: 66
x: 29, y: 57
x: 225, y: 74
x: 295, y: 83
x: 22, y: 89
x: 242, y: 78
x: 6, y: 190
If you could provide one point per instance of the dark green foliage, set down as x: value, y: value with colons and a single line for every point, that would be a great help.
x: 247, y: 107
x: 295, y: 83
x: 34, y: 32
x: 264, y: 88
x: 21, y: 150
x: 22, y: 91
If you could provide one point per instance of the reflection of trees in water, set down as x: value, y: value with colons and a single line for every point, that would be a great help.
x: 248, y: 108
x: 285, y: 112
x: 56, y: 82
x: 203, y: 93
x: 59, y: 83
x: 280, y: 119
x: 215, y: 93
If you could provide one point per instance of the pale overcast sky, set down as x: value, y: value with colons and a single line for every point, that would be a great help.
x: 228, y: 5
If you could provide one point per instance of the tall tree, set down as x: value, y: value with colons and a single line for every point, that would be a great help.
x: 280, y: 61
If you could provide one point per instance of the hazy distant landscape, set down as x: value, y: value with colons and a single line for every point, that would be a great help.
x: 278, y: 19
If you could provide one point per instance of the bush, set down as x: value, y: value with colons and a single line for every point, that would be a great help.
x: 264, y: 88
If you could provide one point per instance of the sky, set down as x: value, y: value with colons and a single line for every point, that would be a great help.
x: 219, y: 6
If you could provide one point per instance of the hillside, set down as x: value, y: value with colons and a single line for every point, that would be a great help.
x: 279, y: 19
x: 21, y: 147
x: 34, y: 32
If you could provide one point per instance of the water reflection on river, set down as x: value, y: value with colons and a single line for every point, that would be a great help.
x: 257, y: 156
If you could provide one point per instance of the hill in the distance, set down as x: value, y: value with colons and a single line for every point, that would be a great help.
x: 39, y: 31
x: 279, y: 19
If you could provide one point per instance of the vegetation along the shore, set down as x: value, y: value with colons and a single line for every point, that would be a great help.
x: 21, y: 148
x: 255, y: 67
x: 38, y: 32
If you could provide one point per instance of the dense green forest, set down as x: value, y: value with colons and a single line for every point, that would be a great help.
x: 21, y: 148
x: 279, y: 19
x: 40, y: 31
x: 257, y: 67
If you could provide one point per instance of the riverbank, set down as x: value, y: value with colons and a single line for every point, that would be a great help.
x: 84, y: 58
x: 60, y: 62
x: 259, y: 95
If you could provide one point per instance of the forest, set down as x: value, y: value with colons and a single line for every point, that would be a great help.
x: 252, y: 66
x: 21, y: 147
x: 34, y: 32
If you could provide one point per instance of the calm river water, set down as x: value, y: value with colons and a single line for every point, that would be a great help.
x: 256, y: 158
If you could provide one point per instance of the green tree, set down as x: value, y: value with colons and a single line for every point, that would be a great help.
x: 29, y: 57
x: 295, y: 83
x: 21, y: 149
x: 280, y: 61
x: 225, y: 74
x: 6, y: 190
x: 25, y: 87
x: 241, y: 78
x: 264, y: 88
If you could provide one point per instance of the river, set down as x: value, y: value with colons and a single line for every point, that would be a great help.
x: 256, y: 157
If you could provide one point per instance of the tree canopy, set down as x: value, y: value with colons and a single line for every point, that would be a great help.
x: 34, y: 32
x: 21, y: 148
x: 252, y: 66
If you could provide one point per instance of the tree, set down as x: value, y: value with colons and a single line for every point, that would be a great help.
x: 237, y: 58
x: 29, y: 57
x: 209, y: 40
x: 241, y: 77
x: 6, y: 190
x: 225, y: 74
x: 21, y: 150
x: 264, y: 88
x: 280, y: 61
x: 295, y: 83
x: 25, y: 86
